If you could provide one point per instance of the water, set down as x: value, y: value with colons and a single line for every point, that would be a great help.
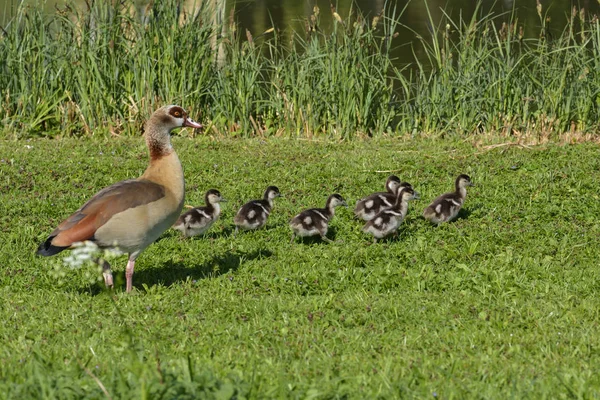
x: 285, y: 14
x: 289, y: 15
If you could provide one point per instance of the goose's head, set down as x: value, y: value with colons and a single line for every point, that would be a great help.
x: 173, y: 116
x: 159, y: 127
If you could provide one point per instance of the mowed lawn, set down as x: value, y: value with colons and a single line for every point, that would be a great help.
x: 504, y: 302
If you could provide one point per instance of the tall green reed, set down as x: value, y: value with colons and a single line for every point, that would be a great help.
x: 483, y: 75
x: 338, y: 83
x: 103, y: 70
x: 333, y: 83
x: 104, y: 67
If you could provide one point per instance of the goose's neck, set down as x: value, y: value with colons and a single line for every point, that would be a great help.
x: 216, y: 208
x: 462, y: 192
x: 164, y: 167
x: 158, y: 139
x: 167, y: 171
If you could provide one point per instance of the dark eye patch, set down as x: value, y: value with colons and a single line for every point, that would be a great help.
x: 177, y: 112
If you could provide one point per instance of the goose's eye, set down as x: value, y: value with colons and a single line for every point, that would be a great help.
x: 177, y: 114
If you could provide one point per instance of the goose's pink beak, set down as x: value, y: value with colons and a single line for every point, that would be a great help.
x: 191, y: 123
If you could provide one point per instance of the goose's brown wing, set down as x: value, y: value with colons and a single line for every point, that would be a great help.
x: 83, y: 223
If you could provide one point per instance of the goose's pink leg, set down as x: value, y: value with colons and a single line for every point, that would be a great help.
x: 129, y: 274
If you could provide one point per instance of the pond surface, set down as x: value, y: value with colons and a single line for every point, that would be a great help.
x: 288, y: 15
x: 259, y: 15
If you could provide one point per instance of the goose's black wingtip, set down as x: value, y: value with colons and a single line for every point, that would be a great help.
x: 48, y: 249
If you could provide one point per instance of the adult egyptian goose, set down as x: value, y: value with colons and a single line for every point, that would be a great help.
x: 315, y: 221
x: 446, y: 207
x: 368, y: 207
x: 199, y: 219
x: 386, y: 222
x: 254, y: 214
x: 131, y: 214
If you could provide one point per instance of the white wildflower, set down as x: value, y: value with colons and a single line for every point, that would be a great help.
x: 83, y: 253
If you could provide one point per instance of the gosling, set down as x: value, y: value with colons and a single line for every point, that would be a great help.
x: 315, y: 221
x: 446, y: 206
x: 386, y: 222
x: 199, y: 220
x: 367, y: 208
x: 254, y: 214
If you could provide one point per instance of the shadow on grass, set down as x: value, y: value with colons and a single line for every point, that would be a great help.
x: 211, y: 234
x: 230, y: 230
x: 464, y: 213
x: 401, y: 234
x: 171, y: 273
x: 315, y: 240
x: 226, y: 232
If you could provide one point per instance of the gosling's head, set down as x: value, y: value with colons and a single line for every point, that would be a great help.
x: 335, y: 200
x: 463, y: 181
x: 392, y: 183
x: 213, y: 196
x: 272, y: 192
x: 408, y: 193
x: 399, y: 185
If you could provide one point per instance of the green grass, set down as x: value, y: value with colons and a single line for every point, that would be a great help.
x: 501, y: 303
x: 102, y: 70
